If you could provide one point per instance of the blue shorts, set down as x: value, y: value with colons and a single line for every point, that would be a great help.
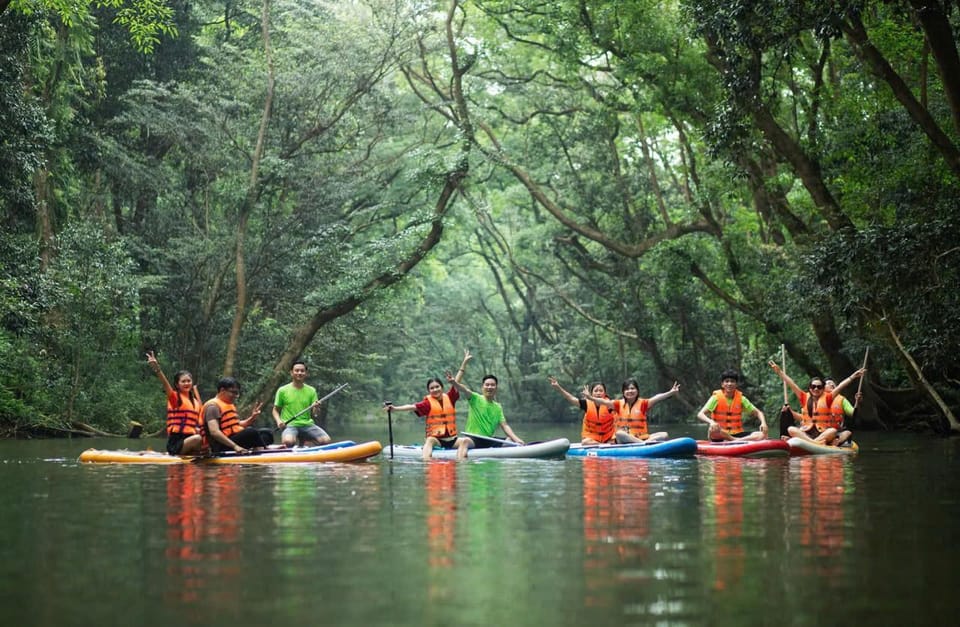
x: 306, y: 432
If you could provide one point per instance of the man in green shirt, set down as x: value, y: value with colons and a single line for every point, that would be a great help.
x: 292, y: 399
x: 724, y: 411
x: 485, y: 416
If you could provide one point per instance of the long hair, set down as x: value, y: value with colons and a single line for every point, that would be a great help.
x: 176, y: 385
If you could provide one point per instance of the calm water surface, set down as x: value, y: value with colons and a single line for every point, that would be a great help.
x: 802, y: 541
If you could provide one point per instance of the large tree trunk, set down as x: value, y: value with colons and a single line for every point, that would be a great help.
x: 830, y: 343
x: 240, y: 269
x: 807, y: 168
x: 303, y: 335
x: 856, y: 34
x: 44, y: 218
x: 921, y: 381
x: 944, y: 48
x: 785, y: 146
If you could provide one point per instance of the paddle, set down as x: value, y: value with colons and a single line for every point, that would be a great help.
x: 786, y: 416
x: 281, y: 449
x: 621, y: 445
x: 856, y: 401
x: 389, y: 406
x: 315, y: 404
x: 783, y: 367
x: 491, y: 442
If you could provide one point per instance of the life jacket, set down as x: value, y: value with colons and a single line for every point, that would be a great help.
x: 442, y: 419
x: 817, y: 412
x: 729, y: 413
x: 229, y: 422
x: 836, y: 413
x: 634, y: 419
x: 183, y: 417
x: 597, y: 423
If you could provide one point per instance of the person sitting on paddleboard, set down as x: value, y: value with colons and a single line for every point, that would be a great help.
x: 597, y: 427
x: 820, y: 422
x: 486, y: 414
x: 841, y: 410
x: 290, y: 410
x: 723, y: 412
x: 439, y: 410
x: 224, y: 430
x: 183, y: 411
x: 630, y: 412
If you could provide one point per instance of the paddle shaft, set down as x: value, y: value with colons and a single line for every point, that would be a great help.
x: 390, y: 427
x: 500, y: 441
x: 312, y: 405
x: 783, y: 367
x: 856, y: 402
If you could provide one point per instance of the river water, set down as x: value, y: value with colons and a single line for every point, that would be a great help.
x: 800, y: 541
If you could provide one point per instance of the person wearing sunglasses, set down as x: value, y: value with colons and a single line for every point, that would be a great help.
x: 817, y: 418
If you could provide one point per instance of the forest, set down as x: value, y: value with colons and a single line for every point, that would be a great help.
x: 592, y: 190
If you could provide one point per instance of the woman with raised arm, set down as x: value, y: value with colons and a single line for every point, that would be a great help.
x: 598, y: 420
x: 818, y: 418
x: 184, y: 436
x: 631, y: 412
x: 438, y: 407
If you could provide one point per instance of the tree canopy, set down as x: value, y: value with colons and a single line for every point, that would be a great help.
x: 592, y: 190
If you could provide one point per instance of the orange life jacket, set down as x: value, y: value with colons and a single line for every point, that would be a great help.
x: 821, y: 417
x: 183, y: 417
x: 229, y: 422
x: 836, y: 413
x: 597, y: 423
x: 442, y: 419
x: 729, y: 412
x: 634, y: 420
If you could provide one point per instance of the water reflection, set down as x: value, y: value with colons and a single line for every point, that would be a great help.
x: 203, y: 529
x: 440, y: 489
x: 616, y: 508
x: 441, y: 494
x: 824, y: 484
x: 723, y: 523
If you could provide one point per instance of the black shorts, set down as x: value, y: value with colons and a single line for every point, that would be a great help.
x: 175, y: 442
x: 486, y: 442
x: 248, y: 438
x: 448, y: 443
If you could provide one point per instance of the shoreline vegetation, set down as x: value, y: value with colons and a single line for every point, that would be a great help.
x: 600, y: 191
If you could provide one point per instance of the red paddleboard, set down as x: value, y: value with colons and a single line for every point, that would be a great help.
x: 744, y: 448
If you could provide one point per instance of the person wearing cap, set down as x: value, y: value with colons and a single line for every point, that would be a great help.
x: 724, y: 410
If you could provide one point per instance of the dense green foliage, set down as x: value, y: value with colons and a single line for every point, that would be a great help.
x: 591, y: 190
